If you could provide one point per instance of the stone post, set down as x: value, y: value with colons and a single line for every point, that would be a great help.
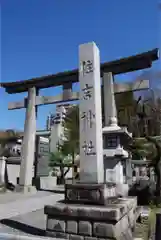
x: 36, y: 143
x: 28, y: 145
x: 91, y: 144
x: 2, y: 171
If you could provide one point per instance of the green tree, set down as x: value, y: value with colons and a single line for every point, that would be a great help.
x: 59, y: 160
x: 141, y: 147
x: 67, y: 151
x: 153, y: 151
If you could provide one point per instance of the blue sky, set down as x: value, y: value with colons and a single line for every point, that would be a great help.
x: 40, y: 37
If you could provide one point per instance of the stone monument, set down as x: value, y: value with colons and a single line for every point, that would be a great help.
x: 91, y: 145
x: 91, y: 208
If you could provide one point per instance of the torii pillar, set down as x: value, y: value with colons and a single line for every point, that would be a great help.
x: 28, y: 145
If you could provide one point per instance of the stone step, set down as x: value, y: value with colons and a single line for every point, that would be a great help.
x: 75, y: 221
x: 111, y: 212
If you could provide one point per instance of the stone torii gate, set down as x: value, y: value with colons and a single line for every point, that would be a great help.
x: 65, y: 79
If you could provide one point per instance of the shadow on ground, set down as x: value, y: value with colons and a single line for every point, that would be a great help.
x: 23, y: 227
x: 60, y: 191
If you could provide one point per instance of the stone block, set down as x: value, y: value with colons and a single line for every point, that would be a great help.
x: 111, y: 230
x: 57, y: 209
x: 122, y: 190
x: 85, y: 228
x: 91, y: 238
x: 131, y: 202
x: 72, y: 227
x: 110, y: 221
x: 55, y: 225
x: 102, y: 230
x: 114, y: 211
x: 127, y: 235
x: 131, y: 216
x: 110, y: 192
x: 87, y: 193
x: 25, y: 189
x: 84, y: 211
x: 48, y: 183
x: 106, y: 238
x: 75, y: 237
x: 57, y: 235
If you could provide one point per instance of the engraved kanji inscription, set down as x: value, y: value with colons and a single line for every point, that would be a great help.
x: 87, y: 92
x: 87, y: 66
x: 88, y: 119
x: 89, y: 148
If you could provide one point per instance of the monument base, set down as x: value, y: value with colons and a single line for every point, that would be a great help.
x: 78, y: 221
x: 45, y: 182
x: 3, y: 188
x: 98, y: 194
x: 25, y: 189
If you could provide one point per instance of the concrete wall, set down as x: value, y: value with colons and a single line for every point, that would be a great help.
x: 13, y: 172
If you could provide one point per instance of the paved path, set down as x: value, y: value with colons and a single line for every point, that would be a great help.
x: 14, y: 204
x: 29, y: 224
x: 7, y: 236
x: 23, y: 214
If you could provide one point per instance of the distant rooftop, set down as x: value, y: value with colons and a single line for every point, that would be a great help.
x: 124, y: 65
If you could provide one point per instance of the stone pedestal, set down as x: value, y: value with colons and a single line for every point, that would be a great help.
x: 45, y: 183
x: 25, y: 189
x: 78, y: 221
x: 99, y: 194
x: 90, y: 212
